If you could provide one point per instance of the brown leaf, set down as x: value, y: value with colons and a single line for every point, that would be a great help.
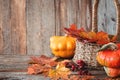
x: 35, y: 69
x: 43, y: 60
x: 41, y: 64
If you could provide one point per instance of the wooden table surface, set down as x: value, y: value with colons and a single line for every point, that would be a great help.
x: 15, y: 68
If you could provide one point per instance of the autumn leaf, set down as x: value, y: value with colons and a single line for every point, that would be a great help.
x: 82, y: 35
x: 73, y: 31
x: 43, y: 60
x: 73, y: 27
x: 59, y: 72
x: 102, y: 38
x: 37, y: 69
x: 92, y: 36
x: 41, y: 65
x: 114, y: 38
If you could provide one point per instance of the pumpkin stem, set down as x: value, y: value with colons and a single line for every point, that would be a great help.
x: 111, y: 46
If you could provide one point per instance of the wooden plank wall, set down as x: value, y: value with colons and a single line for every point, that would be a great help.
x: 26, y: 25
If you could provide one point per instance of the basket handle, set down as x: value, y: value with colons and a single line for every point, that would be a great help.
x: 117, y: 6
x: 94, y: 16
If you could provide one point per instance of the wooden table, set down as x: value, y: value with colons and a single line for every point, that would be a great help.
x: 15, y: 68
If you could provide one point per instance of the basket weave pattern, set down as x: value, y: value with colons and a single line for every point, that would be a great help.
x: 86, y: 52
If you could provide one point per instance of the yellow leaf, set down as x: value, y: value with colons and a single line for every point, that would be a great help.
x: 83, y: 35
x: 59, y: 72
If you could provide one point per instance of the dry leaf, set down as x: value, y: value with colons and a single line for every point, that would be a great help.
x: 92, y: 36
x: 43, y: 60
x: 102, y: 38
x: 82, y: 35
x: 60, y: 72
x: 41, y: 65
x: 37, y: 69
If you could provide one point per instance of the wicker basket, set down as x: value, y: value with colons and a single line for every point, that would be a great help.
x: 87, y: 51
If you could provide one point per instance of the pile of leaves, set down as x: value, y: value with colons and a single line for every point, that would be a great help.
x: 41, y: 65
x: 53, y: 69
x: 93, y: 37
x: 56, y: 69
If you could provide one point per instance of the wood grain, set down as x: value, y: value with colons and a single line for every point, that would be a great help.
x: 27, y: 25
x: 13, y: 62
x: 48, y: 24
x: 18, y: 27
x: 111, y: 17
x: 89, y: 15
x: 34, y: 27
x: 21, y: 76
x: 6, y: 28
x: 83, y: 13
x: 57, y: 17
x: 63, y: 14
x: 40, y: 26
x: 72, y: 12
x: 1, y: 30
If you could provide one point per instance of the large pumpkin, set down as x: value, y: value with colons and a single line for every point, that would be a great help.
x: 110, y: 59
x: 62, y: 46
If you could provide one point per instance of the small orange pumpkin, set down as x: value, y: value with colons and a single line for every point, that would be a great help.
x: 62, y: 46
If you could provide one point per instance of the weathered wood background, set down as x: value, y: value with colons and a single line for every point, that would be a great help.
x: 27, y: 25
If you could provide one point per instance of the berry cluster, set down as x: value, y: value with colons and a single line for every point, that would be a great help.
x: 79, y: 66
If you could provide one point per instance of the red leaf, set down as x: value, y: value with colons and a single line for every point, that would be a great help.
x: 73, y: 27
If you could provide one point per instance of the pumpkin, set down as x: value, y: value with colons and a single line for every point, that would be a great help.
x: 109, y: 56
x: 112, y: 72
x: 62, y: 46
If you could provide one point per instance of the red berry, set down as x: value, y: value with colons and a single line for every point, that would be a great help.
x: 73, y: 68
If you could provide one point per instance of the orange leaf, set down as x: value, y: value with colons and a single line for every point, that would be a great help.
x: 41, y: 65
x: 102, y: 38
x: 92, y: 36
x: 73, y: 27
x: 101, y: 34
x: 114, y: 38
x: 59, y: 72
x: 83, y: 35
x: 34, y: 69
